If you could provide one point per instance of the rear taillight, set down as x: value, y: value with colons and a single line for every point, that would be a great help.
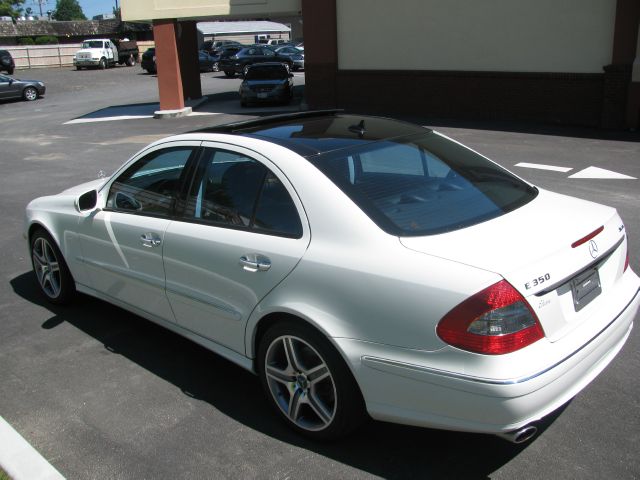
x: 495, y: 321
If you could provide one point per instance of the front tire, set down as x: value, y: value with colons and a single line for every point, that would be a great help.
x: 230, y: 73
x: 131, y: 61
x: 53, y: 275
x: 103, y: 64
x: 308, y: 382
x: 10, y: 71
x: 30, y: 94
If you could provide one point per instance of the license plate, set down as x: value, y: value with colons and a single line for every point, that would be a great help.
x: 585, y: 287
x: 262, y: 95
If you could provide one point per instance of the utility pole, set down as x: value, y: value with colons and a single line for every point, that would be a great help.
x: 40, y: 4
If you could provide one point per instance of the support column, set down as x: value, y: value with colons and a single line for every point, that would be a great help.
x: 168, y: 66
x: 321, y: 52
x: 620, y: 105
x: 188, y: 56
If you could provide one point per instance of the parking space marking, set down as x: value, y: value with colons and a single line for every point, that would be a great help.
x: 123, y: 117
x: 20, y: 460
x: 595, y: 172
x: 540, y: 166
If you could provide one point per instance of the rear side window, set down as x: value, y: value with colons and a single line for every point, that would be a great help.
x: 231, y: 190
x: 424, y: 184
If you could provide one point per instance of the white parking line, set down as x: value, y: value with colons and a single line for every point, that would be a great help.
x: 540, y: 166
x: 20, y: 460
x: 595, y: 172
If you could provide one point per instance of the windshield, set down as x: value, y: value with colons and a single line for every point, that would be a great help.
x: 424, y: 184
x: 92, y: 44
x: 271, y: 72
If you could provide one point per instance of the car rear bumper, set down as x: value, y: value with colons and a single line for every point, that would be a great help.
x: 412, y: 392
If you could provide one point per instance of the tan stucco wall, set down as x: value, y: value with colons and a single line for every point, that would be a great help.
x: 158, y: 9
x: 486, y: 35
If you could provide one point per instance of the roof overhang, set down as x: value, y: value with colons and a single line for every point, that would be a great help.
x: 133, y: 10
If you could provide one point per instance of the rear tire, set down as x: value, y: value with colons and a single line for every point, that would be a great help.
x: 131, y: 61
x: 229, y: 73
x: 10, y: 71
x: 307, y: 381
x: 53, y: 275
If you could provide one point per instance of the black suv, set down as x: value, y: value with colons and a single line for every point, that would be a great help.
x: 238, y: 62
x: 6, y: 62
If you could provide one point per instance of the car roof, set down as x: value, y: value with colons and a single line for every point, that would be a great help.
x: 316, y: 132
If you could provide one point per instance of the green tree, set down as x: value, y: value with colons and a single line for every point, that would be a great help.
x: 68, y: 10
x: 11, y: 8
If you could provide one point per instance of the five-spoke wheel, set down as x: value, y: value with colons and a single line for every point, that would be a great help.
x: 301, y: 383
x: 52, y: 273
x: 308, y: 382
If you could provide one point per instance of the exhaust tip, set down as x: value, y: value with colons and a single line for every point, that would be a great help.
x: 521, y: 435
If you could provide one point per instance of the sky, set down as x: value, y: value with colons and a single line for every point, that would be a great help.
x: 89, y: 7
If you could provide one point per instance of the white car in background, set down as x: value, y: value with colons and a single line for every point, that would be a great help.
x: 357, y: 265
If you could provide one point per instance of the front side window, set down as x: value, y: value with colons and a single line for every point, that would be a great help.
x: 151, y: 184
x: 236, y: 191
x: 424, y: 184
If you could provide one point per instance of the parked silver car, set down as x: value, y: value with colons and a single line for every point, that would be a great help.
x: 356, y: 265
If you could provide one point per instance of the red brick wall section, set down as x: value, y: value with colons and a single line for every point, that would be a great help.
x: 169, y: 78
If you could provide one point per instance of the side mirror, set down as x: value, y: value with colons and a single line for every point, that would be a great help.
x: 87, y: 201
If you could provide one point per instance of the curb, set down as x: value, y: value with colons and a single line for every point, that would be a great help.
x: 20, y: 460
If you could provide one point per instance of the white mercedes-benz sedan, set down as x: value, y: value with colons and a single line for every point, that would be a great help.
x: 358, y: 265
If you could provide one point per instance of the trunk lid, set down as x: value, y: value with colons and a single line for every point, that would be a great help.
x: 531, y: 248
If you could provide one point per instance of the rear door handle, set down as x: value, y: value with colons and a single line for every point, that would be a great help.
x: 150, y: 240
x: 253, y: 262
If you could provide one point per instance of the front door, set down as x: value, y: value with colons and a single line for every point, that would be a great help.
x: 122, y: 243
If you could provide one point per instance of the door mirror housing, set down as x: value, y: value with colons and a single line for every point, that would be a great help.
x: 87, y: 201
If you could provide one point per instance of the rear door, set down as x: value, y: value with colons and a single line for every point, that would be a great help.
x: 241, y: 232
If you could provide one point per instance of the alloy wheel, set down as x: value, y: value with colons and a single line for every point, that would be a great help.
x: 301, y: 383
x: 47, y: 267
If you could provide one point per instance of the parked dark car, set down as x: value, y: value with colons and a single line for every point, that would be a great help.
x: 6, y: 62
x: 239, y: 62
x: 148, y: 61
x: 266, y: 82
x: 213, y: 47
x: 296, y: 56
x: 207, y: 63
x: 14, y: 88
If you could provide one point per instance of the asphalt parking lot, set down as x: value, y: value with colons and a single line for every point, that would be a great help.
x: 101, y: 393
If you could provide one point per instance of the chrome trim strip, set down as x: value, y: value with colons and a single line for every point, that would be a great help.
x: 375, y: 362
x: 594, y: 263
x: 205, y: 300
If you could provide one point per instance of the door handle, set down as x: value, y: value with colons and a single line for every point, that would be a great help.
x: 255, y: 263
x: 150, y: 240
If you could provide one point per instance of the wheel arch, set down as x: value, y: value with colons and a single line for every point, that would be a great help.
x: 256, y: 333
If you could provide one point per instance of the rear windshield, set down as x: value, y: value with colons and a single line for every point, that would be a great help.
x: 424, y: 184
x: 271, y: 72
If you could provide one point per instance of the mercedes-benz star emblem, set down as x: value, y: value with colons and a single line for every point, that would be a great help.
x: 593, y: 249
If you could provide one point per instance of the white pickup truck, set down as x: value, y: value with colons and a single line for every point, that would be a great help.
x: 103, y: 53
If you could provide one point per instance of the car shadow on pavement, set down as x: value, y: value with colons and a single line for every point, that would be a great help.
x: 382, y: 449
